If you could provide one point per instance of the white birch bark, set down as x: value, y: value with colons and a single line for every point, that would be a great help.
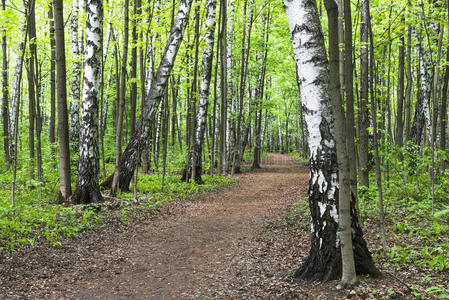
x: 324, y: 261
x: 313, y: 77
x: 149, y: 57
x: 232, y: 101
x: 425, y: 71
x: 88, y: 189
x: 76, y: 79
x: 194, y: 166
x: 104, y: 108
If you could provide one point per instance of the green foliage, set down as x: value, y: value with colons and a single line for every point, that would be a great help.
x: 420, y: 234
x: 29, y: 223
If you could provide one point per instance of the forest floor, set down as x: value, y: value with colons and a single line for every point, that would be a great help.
x: 242, y: 241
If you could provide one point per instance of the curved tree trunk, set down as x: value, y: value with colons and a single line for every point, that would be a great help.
x: 87, y: 187
x: 133, y: 151
x: 324, y: 261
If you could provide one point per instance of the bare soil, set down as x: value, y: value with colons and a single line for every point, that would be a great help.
x: 241, y: 242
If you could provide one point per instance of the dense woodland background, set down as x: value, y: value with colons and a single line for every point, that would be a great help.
x: 155, y: 134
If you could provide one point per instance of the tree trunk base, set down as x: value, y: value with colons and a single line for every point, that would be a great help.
x: 187, y: 175
x: 255, y: 166
x: 88, y: 193
x: 327, y: 265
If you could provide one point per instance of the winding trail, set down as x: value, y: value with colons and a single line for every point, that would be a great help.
x: 200, y: 249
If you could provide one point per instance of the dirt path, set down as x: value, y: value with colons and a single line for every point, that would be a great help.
x: 211, y: 248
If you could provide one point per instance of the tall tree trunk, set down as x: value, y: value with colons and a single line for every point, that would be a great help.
x: 363, y: 114
x: 63, y: 123
x: 15, y: 95
x: 418, y: 130
x: 421, y: 123
x: 231, y: 89
x: 133, y: 151
x: 76, y: 80
x: 388, y: 134
x: 399, y: 120
x: 435, y: 91
x: 31, y: 72
x: 121, y: 103
x: 443, y: 118
x: 408, y: 90
x: 238, y: 154
x: 5, y: 96
x: 376, y: 134
x: 52, y: 75
x: 214, y: 126
x: 348, y: 276
x: 260, y: 92
x: 324, y: 261
x: 224, y: 91
x: 349, y: 89
x: 87, y: 187
x: 194, y: 164
x: 133, y: 73
x: 104, y: 97
x: 39, y: 162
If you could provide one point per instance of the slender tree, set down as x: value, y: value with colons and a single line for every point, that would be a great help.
x: 349, y: 89
x: 76, y: 79
x: 363, y: 114
x: 399, y: 137
x: 52, y: 75
x: 5, y: 96
x: 194, y: 165
x: 121, y: 102
x: 224, y: 90
x: 408, y: 89
x: 246, y: 46
x: 15, y: 93
x: 31, y: 76
x: 63, y: 124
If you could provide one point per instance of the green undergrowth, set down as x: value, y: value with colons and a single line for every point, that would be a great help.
x: 417, y: 223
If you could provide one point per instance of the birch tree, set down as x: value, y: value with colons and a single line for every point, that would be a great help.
x: 87, y: 187
x: 133, y: 151
x: 76, y: 80
x: 324, y: 261
x: 194, y: 165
